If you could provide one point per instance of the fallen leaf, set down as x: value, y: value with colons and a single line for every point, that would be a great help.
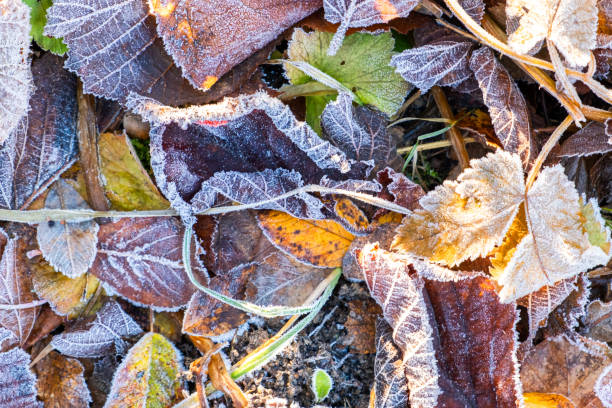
x: 457, y: 339
x: 141, y: 259
x: 540, y: 400
x: 351, y: 216
x: 45, y: 144
x: 399, y: 189
x: 589, y: 140
x: 603, y: 387
x: 14, y: 66
x: 389, y: 376
x: 506, y: 104
x: 598, y: 321
x: 70, y: 247
x: 38, y: 20
x: 361, y: 65
x: 101, y: 337
x: 359, y: 132
x: 207, y: 38
x: 46, y: 322
x: 148, y: 375
x: 320, y: 243
x: 362, y: 13
x: 17, y: 384
x: 361, y: 326
x: 61, y: 383
x: 560, y: 367
x: 114, y: 49
x: 571, y: 25
x: 127, y: 184
x: 7, y: 340
x: 475, y: 8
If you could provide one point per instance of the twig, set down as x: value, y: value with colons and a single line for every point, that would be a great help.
x: 434, y: 145
x: 453, y: 134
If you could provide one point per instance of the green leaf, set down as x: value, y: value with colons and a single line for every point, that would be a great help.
x: 321, y: 384
x: 361, y: 65
x: 38, y: 20
x: 148, y: 376
x: 314, y: 108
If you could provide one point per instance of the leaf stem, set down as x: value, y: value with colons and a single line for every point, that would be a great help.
x: 20, y: 306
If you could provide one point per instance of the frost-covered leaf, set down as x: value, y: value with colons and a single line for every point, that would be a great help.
x: 506, y: 104
x: 360, y: 132
x: 148, y: 376
x: 320, y: 243
x: 16, y: 288
x: 475, y: 8
x: 570, y: 24
x: 15, y: 75
x: 17, y: 383
x: 114, y: 49
x: 603, y: 387
x: 7, y: 339
x: 46, y: 143
x: 127, y: 184
x: 242, y: 149
x: 208, y: 38
x: 558, y: 366
x: 361, y: 65
x: 61, y: 383
x: 362, y: 13
x: 321, y: 384
x: 100, y: 337
x: 457, y: 339
x: 443, y: 61
x: 591, y: 139
x: 389, y: 376
x: 140, y: 258
x: 38, y: 20
x: 70, y: 247
x: 598, y: 321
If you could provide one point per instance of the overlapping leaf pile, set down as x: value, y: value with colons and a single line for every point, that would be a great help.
x: 232, y: 206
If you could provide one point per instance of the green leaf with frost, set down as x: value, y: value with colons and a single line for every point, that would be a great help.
x: 38, y: 20
x: 361, y: 65
x: 321, y: 384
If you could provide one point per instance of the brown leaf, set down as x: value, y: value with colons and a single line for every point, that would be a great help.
x: 598, y: 321
x: 140, y: 258
x: 17, y: 383
x: 207, y: 38
x: 558, y: 366
x: 45, y: 144
x: 389, y: 376
x: 61, y: 383
x: 589, y: 140
x: 361, y: 325
x: 601, y: 177
x: 603, y: 386
x: 457, y: 338
x: 506, y: 104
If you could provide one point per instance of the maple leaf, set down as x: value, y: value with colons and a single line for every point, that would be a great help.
x: 466, y: 219
x: 362, y: 13
x: 114, y: 49
x: 18, y: 383
x: 360, y: 132
x: 389, y: 376
x: 148, y: 375
x: 140, y: 258
x: 197, y: 33
x: 571, y: 26
x: 100, y: 337
x: 45, y: 144
x: 505, y: 102
x: 16, y: 83
x: 69, y: 247
x: 61, y: 382
x: 457, y: 339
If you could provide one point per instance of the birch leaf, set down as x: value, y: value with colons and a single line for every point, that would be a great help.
x: 70, y: 247
x: 17, y: 384
x: 100, y: 337
x: 16, y: 84
x: 148, y: 375
x: 571, y: 25
x: 362, y: 13
x: 208, y: 38
x: 506, y: 104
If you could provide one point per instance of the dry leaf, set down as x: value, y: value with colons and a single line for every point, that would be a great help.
x: 570, y: 24
x: 475, y: 8
x: 100, y: 337
x: 70, y: 247
x: 361, y: 326
x: 61, y: 383
x: 540, y: 400
x: 16, y: 84
x: 598, y: 321
x: 603, y: 387
x: 148, y: 375
x: 389, y: 376
x: 320, y: 243
x: 207, y: 38
x: 589, y: 140
x: 17, y: 383
x: 506, y: 104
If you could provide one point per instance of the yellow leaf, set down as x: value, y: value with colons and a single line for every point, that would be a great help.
x: 128, y: 186
x: 503, y: 253
x: 594, y: 225
x: 148, y: 375
x: 541, y: 400
x: 319, y: 243
x: 351, y: 214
